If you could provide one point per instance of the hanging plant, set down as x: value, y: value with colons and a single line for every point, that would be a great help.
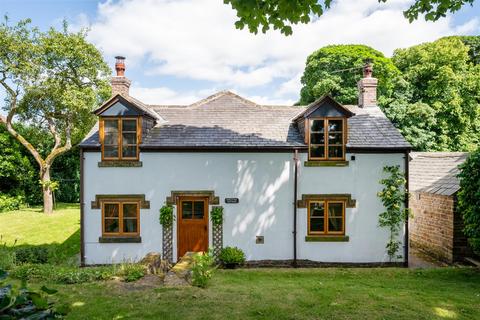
x: 166, y: 216
x: 216, y: 215
x: 393, y: 197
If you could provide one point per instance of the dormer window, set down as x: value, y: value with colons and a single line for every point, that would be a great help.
x: 326, y: 138
x: 120, y: 138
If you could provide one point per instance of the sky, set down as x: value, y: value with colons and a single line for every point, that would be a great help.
x: 180, y: 51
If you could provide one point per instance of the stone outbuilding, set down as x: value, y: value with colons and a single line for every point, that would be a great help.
x: 436, y: 227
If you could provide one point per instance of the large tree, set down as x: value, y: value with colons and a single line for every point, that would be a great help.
x: 438, y: 105
x: 282, y: 14
x: 52, y: 81
x: 336, y: 70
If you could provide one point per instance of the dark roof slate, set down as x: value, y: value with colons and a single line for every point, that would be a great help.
x: 435, y: 172
x: 226, y: 120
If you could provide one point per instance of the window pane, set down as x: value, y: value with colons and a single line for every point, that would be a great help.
x: 129, y: 125
x: 317, y: 209
x: 110, y: 138
x: 130, y: 210
x: 335, y: 152
x: 110, y: 151
x: 317, y: 151
x: 335, y: 224
x: 187, y: 209
x: 317, y: 224
x: 317, y: 138
x: 111, y: 225
x: 335, y: 125
x: 335, y: 210
x: 129, y: 151
x: 335, y: 138
x: 317, y: 125
x: 129, y: 138
x: 198, y: 208
x: 111, y: 210
x: 110, y: 126
x: 129, y: 225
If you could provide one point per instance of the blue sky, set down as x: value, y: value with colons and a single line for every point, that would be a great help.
x: 181, y: 51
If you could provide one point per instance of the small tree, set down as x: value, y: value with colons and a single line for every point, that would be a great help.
x: 53, y: 80
x: 469, y: 198
x: 393, y: 196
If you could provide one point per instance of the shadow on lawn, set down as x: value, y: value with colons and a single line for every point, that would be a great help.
x: 59, y: 253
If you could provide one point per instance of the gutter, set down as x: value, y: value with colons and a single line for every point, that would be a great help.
x: 295, y: 188
x: 82, y: 204
x: 406, y: 236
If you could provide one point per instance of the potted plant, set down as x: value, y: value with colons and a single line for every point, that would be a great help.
x: 231, y: 257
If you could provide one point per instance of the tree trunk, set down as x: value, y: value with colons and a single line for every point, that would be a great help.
x: 47, y: 191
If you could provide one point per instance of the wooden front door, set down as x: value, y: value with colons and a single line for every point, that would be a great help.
x: 192, y: 225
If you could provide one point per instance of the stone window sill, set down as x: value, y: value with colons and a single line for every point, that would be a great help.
x: 326, y: 163
x: 327, y: 238
x: 120, y: 164
x: 120, y: 239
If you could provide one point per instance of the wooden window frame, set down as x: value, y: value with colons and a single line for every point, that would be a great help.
x: 325, y: 133
x: 120, y: 204
x: 325, y: 217
x: 120, y: 138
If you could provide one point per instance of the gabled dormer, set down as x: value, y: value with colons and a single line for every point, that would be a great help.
x: 123, y: 120
x: 323, y: 126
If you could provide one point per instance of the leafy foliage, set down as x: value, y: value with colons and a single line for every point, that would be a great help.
x: 39, y: 254
x: 7, y: 256
x: 336, y: 70
x: 24, y: 303
x: 231, y: 256
x: 52, y: 81
x: 436, y: 107
x: 166, y: 215
x: 131, y: 271
x: 62, y: 274
x: 216, y: 215
x: 393, y: 196
x: 469, y: 198
x: 282, y: 14
x: 9, y: 203
x: 202, y: 269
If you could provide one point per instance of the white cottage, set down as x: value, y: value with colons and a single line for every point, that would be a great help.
x: 298, y: 184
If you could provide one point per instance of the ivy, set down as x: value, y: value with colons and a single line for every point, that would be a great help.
x: 166, y: 216
x: 393, y: 196
x: 216, y: 215
x: 469, y: 198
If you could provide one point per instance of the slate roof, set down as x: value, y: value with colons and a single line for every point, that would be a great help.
x: 435, y: 172
x: 226, y: 120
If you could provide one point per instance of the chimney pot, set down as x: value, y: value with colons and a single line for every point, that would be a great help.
x: 367, y: 87
x: 120, y: 83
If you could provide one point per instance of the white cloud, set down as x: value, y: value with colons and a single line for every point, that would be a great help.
x: 196, y: 39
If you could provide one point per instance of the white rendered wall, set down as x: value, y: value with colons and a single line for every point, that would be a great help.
x: 263, y: 182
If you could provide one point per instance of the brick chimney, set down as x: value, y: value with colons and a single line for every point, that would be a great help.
x: 367, y: 87
x: 120, y: 84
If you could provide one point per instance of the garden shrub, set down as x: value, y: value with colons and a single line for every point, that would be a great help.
x: 131, y: 271
x: 7, y: 258
x: 32, y: 255
x: 62, y: 274
x: 202, y: 269
x: 20, y: 302
x: 469, y: 198
x: 9, y: 203
x: 231, y: 256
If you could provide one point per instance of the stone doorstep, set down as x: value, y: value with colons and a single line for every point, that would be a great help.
x: 180, y: 274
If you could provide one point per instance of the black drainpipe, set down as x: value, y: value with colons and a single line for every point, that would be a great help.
x: 82, y: 209
x: 406, y: 238
x: 295, y: 184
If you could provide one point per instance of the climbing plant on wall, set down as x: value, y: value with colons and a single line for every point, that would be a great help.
x: 393, y: 196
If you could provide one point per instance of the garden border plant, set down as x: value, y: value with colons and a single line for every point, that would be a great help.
x: 393, y: 196
x: 216, y: 215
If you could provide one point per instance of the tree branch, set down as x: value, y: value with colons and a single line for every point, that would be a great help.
x: 8, y: 123
x: 56, y: 151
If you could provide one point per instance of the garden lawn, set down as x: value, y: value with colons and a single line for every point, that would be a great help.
x: 333, y: 293
x: 31, y: 227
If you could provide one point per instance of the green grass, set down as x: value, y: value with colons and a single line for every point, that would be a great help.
x: 330, y: 293
x: 59, y: 231
x: 391, y: 293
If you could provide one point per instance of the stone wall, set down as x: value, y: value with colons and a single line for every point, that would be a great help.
x: 436, y: 228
